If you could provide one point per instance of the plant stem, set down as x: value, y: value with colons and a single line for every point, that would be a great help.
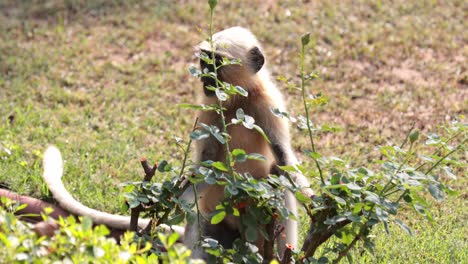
x: 186, y: 151
x: 401, y: 196
x: 444, y: 157
x: 408, y: 155
x: 345, y: 251
x: 195, y: 193
x: 407, y: 135
x: 435, y: 164
x: 306, y: 108
x: 220, y: 103
x: 390, y: 193
x: 439, y: 148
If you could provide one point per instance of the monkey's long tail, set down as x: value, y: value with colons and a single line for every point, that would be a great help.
x: 53, y: 171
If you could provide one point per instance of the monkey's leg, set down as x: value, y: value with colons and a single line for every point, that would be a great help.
x: 224, y: 233
x: 206, y: 149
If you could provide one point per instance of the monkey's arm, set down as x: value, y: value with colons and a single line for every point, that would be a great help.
x: 205, y: 149
x: 277, y: 132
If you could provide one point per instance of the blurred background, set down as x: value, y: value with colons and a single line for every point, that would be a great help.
x: 102, y: 80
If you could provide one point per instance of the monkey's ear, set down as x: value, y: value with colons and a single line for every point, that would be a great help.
x: 256, y: 59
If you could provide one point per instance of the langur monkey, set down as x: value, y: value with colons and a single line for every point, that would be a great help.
x: 53, y: 170
x: 238, y: 43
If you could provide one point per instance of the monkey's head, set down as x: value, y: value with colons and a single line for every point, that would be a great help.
x: 234, y: 43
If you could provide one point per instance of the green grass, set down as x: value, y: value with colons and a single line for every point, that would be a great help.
x: 102, y: 82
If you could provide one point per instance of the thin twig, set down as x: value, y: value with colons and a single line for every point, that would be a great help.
x: 269, y: 244
x: 345, y: 251
x: 187, y: 150
x: 135, y: 212
x: 306, y: 108
x: 444, y: 157
x: 149, y: 171
x: 439, y: 149
x: 407, y: 135
x: 286, y: 259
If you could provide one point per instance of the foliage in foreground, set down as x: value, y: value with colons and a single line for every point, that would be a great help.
x: 76, y: 242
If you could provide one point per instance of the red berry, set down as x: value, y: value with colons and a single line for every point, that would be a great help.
x: 241, y: 205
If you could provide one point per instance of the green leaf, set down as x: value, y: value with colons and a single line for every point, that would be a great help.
x: 433, y: 139
x: 143, y: 199
x: 414, y: 136
x: 219, y: 137
x: 133, y: 203
x: 163, y: 166
x: 314, y: 155
x: 220, y: 166
x: 255, y: 156
x: 372, y: 197
x: 436, y: 191
x: 357, y: 208
x: 305, y: 39
x: 260, y: 130
x: 199, y: 134
x: 251, y: 234
x: 335, y: 186
x: 212, y: 3
x: 218, y: 217
x: 172, y: 239
x: 426, y: 158
x: 339, y: 200
x: 382, y: 215
x: 391, y: 207
x: 449, y: 173
x: 334, y: 220
x: 221, y: 95
x: 22, y: 206
x: 177, y: 219
x: 277, y: 112
x: 404, y: 227
x: 407, y: 198
x: 354, y: 187
x: 346, y: 237
x: 263, y: 232
x: 288, y: 168
x: 194, y: 71
x: 241, y: 91
x: 302, y: 198
x: 354, y: 218
x: 232, y: 190
x: 248, y: 122
x: 213, y: 130
x: 323, y: 260
x: 239, y: 155
x: 240, y: 114
x: 235, y: 211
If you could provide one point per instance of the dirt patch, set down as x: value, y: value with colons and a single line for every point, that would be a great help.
x: 409, y: 76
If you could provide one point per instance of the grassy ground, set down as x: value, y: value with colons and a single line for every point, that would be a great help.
x: 102, y: 82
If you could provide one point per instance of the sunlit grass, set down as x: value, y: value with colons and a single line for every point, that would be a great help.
x: 102, y: 82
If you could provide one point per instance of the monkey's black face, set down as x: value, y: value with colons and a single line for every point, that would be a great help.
x: 254, y: 62
x: 207, y: 68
